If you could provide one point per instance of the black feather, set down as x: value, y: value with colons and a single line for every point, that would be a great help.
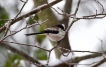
x: 32, y: 34
x: 60, y: 26
x: 51, y: 31
x: 45, y: 31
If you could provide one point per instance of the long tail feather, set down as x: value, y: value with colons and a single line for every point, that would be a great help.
x: 32, y: 34
x: 45, y: 31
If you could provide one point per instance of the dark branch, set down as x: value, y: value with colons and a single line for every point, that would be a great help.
x: 40, y: 8
x: 101, y: 62
x: 27, y: 57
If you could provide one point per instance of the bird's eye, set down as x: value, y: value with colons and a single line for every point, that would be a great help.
x: 61, y: 26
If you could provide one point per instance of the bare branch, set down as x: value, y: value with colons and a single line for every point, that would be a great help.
x: 24, y: 55
x: 9, y: 23
x: 42, y: 7
x: 100, y: 5
x: 100, y: 62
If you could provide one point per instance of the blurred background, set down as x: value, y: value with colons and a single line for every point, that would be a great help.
x: 84, y: 35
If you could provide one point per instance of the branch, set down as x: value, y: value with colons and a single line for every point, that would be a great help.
x: 42, y: 7
x: 74, y: 19
x: 65, y: 20
x: 101, y: 62
x: 26, y: 56
x: 76, y: 60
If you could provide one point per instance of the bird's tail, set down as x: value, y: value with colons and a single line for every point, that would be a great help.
x: 45, y: 31
x: 33, y: 34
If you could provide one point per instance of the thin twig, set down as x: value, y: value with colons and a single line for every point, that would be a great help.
x: 42, y: 7
x: 26, y: 45
x: 23, y: 54
x: 18, y: 31
x: 9, y: 23
x: 101, y: 6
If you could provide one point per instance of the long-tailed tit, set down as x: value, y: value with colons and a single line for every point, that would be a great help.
x: 54, y: 33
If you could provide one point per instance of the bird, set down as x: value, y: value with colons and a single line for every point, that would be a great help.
x: 54, y: 33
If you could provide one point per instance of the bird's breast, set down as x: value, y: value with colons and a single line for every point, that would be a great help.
x: 55, y: 37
